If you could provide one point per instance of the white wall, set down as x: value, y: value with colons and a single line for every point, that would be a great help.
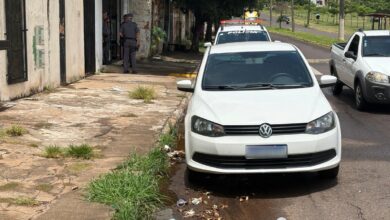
x: 99, y: 33
x: 74, y: 31
x: 45, y: 14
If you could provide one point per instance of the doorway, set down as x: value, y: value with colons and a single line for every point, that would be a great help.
x: 89, y: 36
x: 114, y: 10
x: 62, y: 43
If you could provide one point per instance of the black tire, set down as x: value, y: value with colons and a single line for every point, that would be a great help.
x: 193, y: 176
x: 338, y: 87
x: 329, y: 174
x: 360, y: 101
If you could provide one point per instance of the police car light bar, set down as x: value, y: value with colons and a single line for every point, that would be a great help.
x: 255, y: 21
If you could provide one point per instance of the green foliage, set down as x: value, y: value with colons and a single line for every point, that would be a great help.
x: 158, y: 36
x: 145, y: 93
x: 133, y: 189
x: 15, y: 131
x: 53, y: 151
x: 83, y: 151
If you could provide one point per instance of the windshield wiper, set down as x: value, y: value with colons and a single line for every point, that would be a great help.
x: 291, y: 86
x: 375, y: 55
x: 222, y: 87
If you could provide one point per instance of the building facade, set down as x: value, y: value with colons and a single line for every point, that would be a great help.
x: 46, y: 43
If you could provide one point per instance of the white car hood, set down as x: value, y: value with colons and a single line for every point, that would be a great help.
x: 379, y: 64
x: 286, y: 106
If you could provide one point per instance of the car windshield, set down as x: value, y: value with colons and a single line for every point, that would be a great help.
x: 376, y: 46
x: 241, y: 36
x: 256, y: 71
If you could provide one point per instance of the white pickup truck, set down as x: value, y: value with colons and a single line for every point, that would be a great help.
x: 363, y: 64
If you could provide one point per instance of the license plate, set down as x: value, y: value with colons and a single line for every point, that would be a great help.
x: 266, y: 151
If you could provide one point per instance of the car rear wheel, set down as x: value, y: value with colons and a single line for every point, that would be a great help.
x: 360, y: 101
x: 338, y: 87
x: 330, y: 174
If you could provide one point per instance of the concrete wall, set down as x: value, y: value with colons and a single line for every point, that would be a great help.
x: 75, y: 65
x: 43, y: 57
x: 99, y: 34
x: 3, y: 53
x: 142, y: 10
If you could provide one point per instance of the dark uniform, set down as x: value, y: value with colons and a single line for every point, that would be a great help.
x: 129, y: 31
x: 106, y: 41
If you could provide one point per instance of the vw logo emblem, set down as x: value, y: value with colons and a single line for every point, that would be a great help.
x: 265, y: 130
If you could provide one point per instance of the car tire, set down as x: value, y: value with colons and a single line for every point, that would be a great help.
x: 360, y: 101
x: 194, y: 176
x: 338, y: 87
x: 329, y: 174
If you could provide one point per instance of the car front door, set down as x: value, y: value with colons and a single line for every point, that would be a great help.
x: 349, y: 63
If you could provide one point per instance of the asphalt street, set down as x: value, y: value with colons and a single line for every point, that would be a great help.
x: 362, y: 190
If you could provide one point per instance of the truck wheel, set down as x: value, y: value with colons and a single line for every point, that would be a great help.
x: 329, y: 174
x: 360, y: 102
x: 338, y: 87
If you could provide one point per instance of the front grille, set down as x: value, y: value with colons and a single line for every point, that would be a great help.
x: 240, y: 162
x: 276, y: 129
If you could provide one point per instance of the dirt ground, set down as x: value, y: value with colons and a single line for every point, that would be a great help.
x: 95, y: 111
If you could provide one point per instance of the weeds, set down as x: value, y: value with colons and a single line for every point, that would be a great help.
x: 48, y: 89
x: 53, y: 151
x: 145, y: 93
x: 20, y: 201
x: 83, y: 151
x: 16, y: 131
x: 44, y: 187
x: 133, y: 188
x: 9, y: 186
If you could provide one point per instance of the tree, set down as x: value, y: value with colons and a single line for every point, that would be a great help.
x: 292, y: 16
x: 342, y: 20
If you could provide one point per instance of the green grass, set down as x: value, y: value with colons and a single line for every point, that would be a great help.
x: 83, y: 151
x: 9, y: 186
x: 49, y: 89
x: 133, y: 188
x: 145, y: 93
x: 15, y: 131
x: 20, y: 201
x: 44, y: 187
x: 53, y: 151
x: 306, y: 37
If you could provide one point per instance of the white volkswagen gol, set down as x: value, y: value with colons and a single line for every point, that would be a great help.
x: 258, y: 108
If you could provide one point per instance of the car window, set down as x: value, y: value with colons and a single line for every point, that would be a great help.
x: 354, y: 47
x: 255, y: 70
x: 241, y: 36
x: 378, y: 46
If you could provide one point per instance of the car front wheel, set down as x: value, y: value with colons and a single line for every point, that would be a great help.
x: 360, y: 101
x: 329, y: 174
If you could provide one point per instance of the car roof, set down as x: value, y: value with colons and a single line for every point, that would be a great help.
x: 377, y: 33
x: 253, y: 46
x: 242, y: 27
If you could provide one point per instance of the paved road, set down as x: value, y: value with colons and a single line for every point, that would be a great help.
x: 362, y: 190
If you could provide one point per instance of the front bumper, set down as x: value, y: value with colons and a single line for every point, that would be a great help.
x: 235, y: 147
x: 377, y: 92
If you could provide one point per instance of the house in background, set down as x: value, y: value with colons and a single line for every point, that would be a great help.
x: 48, y: 43
x: 320, y: 2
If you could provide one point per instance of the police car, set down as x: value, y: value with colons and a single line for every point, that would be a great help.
x: 232, y: 31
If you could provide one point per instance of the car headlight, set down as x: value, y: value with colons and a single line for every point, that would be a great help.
x: 377, y: 77
x: 207, y: 128
x: 322, y: 124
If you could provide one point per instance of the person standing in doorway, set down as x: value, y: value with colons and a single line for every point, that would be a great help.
x: 106, y: 38
x: 130, y: 33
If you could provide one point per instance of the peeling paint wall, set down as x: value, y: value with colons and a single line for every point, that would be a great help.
x: 99, y: 34
x: 43, y: 49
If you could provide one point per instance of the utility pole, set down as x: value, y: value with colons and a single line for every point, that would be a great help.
x: 270, y: 13
x: 292, y: 16
x: 342, y: 20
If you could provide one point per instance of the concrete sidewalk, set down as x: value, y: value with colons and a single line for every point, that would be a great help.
x: 96, y: 111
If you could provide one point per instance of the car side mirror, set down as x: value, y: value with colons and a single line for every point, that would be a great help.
x: 327, y: 81
x: 350, y: 54
x: 208, y: 44
x: 185, y: 86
